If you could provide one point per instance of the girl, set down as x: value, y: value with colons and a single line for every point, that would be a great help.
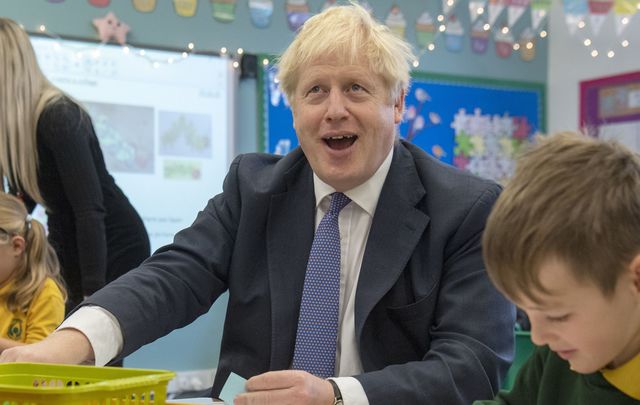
x: 32, y: 293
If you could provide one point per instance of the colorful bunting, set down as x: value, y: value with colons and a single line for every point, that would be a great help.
x: 476, y: 8
x: 574, y: 13
x: 598, y: 10
x: 495, y: 9
x: 539, y: 11
x: 515, y: 9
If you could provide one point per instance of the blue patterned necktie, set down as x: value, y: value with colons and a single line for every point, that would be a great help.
x: 317, y: 336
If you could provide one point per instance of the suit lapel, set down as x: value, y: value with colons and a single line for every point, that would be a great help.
x: 385, y: 257
x: 290, y: 226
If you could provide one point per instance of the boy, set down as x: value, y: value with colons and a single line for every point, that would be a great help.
x: 563, y: 243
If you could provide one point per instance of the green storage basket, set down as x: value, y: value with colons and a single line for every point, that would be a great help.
x: 53, y: 384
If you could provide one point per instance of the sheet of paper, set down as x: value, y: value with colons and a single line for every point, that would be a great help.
x: 233, y: 387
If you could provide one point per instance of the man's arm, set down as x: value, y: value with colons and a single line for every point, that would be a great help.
x: 67, y: 346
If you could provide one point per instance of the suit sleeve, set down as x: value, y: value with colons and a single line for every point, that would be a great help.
x: 67, y: 131
x: 180, y: 281
x: 471, y: 333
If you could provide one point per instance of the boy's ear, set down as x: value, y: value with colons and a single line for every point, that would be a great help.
x: 634, y: 268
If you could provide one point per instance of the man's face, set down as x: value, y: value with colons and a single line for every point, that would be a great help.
x: 345, y: 121
x: 582, y: 325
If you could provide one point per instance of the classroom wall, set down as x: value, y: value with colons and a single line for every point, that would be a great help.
x: 196, y: 347
x: 570, y: 62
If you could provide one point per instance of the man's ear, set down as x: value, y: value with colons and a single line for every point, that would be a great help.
x: 17, y: 245
x: 398, y: 107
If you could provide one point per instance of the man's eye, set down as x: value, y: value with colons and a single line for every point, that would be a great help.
x: 356, y: 87
x: 314, y: 89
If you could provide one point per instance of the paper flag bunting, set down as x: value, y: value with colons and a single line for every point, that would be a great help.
x: 185, y: 8
x: 99, y: 3
x: 260, y: 12
x: 515, y: 9
x: 425, y: 30
x: 395, y: 21
x: 624, y: 11
x: 474, y: 6
x: 144, y: 6
x: 574, y: 12
x: 110, y: 27
x: 447, y: 6
x: 539, y: 10
x: 598, y: 10
x: 223, y: 10
x: 495, y: 9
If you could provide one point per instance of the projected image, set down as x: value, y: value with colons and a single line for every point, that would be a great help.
x: 184, y: 134
x: 126, y: 136
x: 182, y: 170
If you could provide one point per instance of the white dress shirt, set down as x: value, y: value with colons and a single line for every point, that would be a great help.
x: 103, y: 331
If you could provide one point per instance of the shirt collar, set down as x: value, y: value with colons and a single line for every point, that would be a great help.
x: 625, y: 377
x: 365, y: 195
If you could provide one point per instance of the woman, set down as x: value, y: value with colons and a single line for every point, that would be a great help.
x: 49, y: 154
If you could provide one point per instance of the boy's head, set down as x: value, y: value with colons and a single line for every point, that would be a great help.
x: 563, y: 242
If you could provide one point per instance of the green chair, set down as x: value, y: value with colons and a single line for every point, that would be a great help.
x: 524, y: 348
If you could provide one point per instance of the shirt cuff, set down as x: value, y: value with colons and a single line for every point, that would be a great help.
x: 351, y: 390
x: 101, y: 329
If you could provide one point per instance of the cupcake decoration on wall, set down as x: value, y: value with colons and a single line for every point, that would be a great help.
x: 527, y: 44
x: 223, y: 10
x: 479, y: 37
x: 260, y: 12
x: 327, y: 4
x: 425, y: 30
x: 185, y: 8
x: 454, y: 35
x: 395, y: 21
x: 144, y: 6
x: 297, y: 13
x: 504, y: 42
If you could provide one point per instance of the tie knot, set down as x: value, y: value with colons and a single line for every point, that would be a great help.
x: 338, y: 202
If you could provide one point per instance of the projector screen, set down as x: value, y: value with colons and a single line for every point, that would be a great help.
x: 164, y: 120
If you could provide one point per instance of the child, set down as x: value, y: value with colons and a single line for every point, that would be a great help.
x: 32, y: 293
x: 563, y: 243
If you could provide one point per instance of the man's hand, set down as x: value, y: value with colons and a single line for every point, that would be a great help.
x: 289, y: 387
x: 66, y: 346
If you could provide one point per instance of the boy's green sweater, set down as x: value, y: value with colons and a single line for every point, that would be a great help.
x: 545, y: 379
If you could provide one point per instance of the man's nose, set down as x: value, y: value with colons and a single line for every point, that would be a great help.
x: 337, y: 107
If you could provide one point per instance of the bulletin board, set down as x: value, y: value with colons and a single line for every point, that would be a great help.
x: 475, y: 124
x: 610, y: 108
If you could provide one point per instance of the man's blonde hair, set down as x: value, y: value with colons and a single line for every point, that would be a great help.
x: 24, y: 93
x: 352, y: 35
x: 574, y: 199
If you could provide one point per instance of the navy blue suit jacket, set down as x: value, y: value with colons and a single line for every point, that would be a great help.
x: 430, y: 326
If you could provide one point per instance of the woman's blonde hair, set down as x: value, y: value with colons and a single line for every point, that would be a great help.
x: 39, y: 261
x: 352, y: 35
x: 24, y: 93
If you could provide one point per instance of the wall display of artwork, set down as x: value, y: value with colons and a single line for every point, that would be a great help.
x: 474, y: 124
x: 610, y: 108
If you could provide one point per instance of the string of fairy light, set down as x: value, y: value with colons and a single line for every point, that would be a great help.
x: 589, y: 41
x: 93, y: 51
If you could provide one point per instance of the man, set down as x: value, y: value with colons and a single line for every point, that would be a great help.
x: 416, y: 318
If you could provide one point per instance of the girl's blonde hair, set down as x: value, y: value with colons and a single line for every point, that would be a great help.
x: 24, y: 94
x: 39, y: 261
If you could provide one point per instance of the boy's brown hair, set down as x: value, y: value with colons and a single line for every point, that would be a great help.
x: 574, y: 199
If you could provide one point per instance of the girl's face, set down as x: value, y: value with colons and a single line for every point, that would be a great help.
x: 11, y: 251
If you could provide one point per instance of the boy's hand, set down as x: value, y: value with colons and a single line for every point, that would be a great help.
x: 66, y: 346
x: 286, y: 387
